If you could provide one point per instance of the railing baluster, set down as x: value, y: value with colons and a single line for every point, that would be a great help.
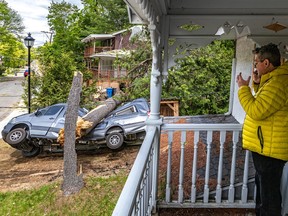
x: 141, y: 199
x: 151, y: 181
x: 220, y: 168
x: 142, y: 195
x: 207, y: 171
x: 146, y: 192
x: 194, y: 169
x: 181, y: 168
x: 233, y: 166
x: 155, y: 151
x: 244, y: 194
x: 169, y: 162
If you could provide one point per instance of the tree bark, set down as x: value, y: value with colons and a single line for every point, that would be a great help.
x: 97, y: 114
x: 72, y: 182
x: 91, y: 119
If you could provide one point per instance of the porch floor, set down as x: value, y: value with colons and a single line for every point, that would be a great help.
x: 206, y: 212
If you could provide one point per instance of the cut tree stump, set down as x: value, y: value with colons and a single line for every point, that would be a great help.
x: 72, y: 182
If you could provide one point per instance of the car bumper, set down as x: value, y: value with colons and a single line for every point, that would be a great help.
x: 7, y: 128
x: 4, y: 135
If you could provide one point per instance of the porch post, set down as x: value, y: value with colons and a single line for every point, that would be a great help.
x: 155, y: 98
x: 156, y: 78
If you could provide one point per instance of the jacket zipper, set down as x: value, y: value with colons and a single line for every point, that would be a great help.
x: 260, y: 137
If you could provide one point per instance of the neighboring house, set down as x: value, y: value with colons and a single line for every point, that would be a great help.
x: 100, y: 53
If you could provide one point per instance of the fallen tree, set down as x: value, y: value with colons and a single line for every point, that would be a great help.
x: 86, y: 123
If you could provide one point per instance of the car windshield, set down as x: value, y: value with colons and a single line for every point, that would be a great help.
x: 82, y: 112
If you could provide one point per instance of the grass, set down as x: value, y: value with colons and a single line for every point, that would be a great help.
x: 97, y: 198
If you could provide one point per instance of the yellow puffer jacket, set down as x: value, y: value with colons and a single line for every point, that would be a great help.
x: 265, y: 129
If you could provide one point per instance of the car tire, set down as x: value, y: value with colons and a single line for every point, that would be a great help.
x: 114, y: 140
x: 33, y: 153
x: 16, y: 136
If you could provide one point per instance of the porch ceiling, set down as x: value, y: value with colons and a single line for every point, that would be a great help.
x: 242, y: 18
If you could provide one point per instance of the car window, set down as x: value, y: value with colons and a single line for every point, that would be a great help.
x: 53, y: 110
x: 82, y: 112
x: 42, y: 111
x: 126, y: 111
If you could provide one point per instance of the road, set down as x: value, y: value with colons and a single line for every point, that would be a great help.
x: 11, y: 91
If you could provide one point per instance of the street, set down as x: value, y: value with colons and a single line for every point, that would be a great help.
x: 10, y: 96
x: 10, y: 93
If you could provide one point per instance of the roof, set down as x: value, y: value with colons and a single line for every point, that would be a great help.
x: 93, y: 37
x: 262, y: 20
x: 111, y: 54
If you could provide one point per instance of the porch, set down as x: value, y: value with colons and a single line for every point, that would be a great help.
x: 221, y: 177
x: 190, y: 162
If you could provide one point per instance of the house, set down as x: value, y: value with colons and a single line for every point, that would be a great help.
x: 197, y: 23
x: 101, y: 50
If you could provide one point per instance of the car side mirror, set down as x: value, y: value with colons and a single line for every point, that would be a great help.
x: 37, y: 112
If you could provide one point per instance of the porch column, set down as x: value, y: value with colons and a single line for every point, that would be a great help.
x: 155, y: 98
x: 244, y: 64
x: 156, y: 76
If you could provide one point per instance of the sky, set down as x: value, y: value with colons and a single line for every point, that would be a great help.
x: 34, y: 13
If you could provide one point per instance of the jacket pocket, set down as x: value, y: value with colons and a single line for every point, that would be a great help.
x: 260, y: 137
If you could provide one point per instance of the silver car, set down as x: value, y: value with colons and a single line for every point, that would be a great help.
x: 32, y: 133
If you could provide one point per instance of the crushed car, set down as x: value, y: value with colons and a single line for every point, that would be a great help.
x: 38, y: 131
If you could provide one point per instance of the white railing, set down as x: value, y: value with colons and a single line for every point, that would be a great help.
x: 222, y: 144
x: 138, y: 196
x: 222, y: 181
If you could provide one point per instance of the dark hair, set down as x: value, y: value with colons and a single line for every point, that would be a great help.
x: 270, y: 52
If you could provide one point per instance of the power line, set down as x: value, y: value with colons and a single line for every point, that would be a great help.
x: 49, y: 36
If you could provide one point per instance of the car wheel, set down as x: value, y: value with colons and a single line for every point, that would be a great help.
x: 114, y: 140
x: 33, y: 152
x: 16, y: 136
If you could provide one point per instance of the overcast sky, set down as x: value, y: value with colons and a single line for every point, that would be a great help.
x: 34, y: 13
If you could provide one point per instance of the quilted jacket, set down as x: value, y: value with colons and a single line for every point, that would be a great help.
x: 265, y: 128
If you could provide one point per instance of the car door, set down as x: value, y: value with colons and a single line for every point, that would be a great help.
x: 43, y: 120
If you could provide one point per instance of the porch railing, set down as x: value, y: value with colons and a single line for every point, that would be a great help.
x: 199, y: 166
x: 138, y: 196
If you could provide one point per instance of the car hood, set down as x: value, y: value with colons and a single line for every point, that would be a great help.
x: 22, y: 118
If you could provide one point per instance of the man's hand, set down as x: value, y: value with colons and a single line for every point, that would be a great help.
x: 241, y: 82
x: 256, y: 77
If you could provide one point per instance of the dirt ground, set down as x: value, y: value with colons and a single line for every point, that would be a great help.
x: 18, y: 172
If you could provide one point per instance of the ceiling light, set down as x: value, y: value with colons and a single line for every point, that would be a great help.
x: 275, y: 26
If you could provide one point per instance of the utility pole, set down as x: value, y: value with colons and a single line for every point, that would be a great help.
x: 49, y: 35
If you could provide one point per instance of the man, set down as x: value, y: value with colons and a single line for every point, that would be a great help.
x: 265, y: 129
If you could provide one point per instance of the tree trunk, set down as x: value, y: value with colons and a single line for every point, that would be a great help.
x: 72, y: 182
x: 91, y: 119
x: 96, y: 115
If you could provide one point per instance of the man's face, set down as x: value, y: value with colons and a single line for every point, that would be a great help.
x: 261, y: 65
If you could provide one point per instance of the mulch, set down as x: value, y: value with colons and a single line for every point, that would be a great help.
x: 201, y: 166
